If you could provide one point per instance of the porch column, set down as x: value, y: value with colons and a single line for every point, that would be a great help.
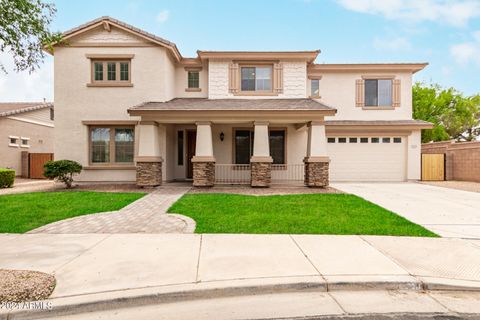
x: 204, y: 161
x: 317, y: 160
x: 148, y: 159
x: 261, y: 161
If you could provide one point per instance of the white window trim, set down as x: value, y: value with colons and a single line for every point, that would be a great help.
x: 24, y: 145
x: 16, y: 145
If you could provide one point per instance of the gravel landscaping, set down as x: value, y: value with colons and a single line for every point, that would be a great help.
x: 273, y: 190
x: 25, y: 285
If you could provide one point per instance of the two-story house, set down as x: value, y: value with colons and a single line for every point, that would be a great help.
x: 130, y: 107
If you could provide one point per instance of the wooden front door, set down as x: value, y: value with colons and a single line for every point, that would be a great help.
x: 191, y: 143
x: 433, y: 167
x: 36, y: 162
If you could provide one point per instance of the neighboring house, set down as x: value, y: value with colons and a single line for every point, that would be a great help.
x: 24, y: 126
x: 130, y: 107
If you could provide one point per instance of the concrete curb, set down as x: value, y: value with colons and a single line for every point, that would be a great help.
x: 63, y: 306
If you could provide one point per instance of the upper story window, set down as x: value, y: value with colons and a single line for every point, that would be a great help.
x: 315, y: 88
x: 378, y: 92
x: 193, y: 79
x: 110, y: 70
x: 256, y: 78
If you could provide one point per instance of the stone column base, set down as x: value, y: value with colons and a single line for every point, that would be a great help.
x: 261, y: 171
x: 203, y: 171
x: 149, y: 172
x: 316, y: 172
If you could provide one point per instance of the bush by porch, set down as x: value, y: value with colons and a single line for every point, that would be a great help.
x: 293, y: 214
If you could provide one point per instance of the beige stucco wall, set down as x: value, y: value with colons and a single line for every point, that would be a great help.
x: 181, y: 83
x: 294, y: 80
x: 152, y: 75
x: 338, y: 90
x: 414, y: 149
x: 41, y: 140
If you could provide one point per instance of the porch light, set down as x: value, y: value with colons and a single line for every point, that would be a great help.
x: 222, y: 136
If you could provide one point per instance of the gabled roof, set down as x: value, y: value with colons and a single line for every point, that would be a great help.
x: 12, y: 108
x: 107, y: 22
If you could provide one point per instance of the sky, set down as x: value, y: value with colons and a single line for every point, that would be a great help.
x: 444, y: 33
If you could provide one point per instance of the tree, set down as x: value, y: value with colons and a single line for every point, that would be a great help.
x: 454, y: 116
x: 62, y: 170
x: 24, y: 32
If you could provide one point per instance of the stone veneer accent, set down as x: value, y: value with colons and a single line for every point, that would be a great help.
x: 149, y: 174
x: 203, y: 174
x: 261, y: 174
x: 316, y: 174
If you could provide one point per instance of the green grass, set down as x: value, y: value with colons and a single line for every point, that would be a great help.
x: 23, y: 212
x: 295, y: 214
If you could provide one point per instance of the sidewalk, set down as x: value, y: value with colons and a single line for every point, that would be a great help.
x: 92, y: 267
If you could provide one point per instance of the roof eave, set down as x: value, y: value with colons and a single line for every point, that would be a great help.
x: 309, y: 56
x: 406, y: 67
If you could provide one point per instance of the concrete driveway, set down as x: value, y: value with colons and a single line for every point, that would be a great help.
x: 447, y: 212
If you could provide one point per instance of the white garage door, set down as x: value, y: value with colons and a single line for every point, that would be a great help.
x: 376, y: 158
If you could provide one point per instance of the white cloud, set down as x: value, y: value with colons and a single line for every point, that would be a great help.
x: 467, y: 52
x: 454, y: 12
x: 163, y: 16
x: 392, y: 44
x: 23, y: 86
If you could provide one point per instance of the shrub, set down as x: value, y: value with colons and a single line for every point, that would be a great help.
x: 62, y: 170
x: 7, y: 178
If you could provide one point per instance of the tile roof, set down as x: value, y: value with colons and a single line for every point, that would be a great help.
x: 377, y: 122
x: 11, y: 108
x: 234, y: 104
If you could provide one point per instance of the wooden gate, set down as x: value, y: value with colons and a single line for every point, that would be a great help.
x: 36, y: 162
x: 433, y: 166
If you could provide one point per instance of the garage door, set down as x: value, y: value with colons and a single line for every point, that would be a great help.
x: 375, y: 158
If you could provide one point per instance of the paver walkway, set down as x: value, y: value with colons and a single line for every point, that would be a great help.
x: 146, y: 215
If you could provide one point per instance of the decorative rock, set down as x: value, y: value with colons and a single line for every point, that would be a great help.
x: 261, y: 174
x: 316, y: 174
x: 149, y: 174
x: 203, y: 174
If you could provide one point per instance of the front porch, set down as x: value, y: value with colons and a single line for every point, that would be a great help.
x: 232, y: 141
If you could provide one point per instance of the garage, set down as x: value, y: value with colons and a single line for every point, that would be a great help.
x: 372, y: 158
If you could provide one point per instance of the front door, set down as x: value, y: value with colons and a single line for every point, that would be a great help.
x: 191, y: 143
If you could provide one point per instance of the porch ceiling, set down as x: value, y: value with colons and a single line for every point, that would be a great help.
x: 232, y: 110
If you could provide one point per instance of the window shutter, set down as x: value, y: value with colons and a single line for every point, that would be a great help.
x: 278, y: 77
x: 396, y: 93
x: 233, y: 78
x: 360, y: 93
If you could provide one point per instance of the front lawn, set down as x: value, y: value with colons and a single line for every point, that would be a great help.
x: 23, y: 212
x: 295, y: 214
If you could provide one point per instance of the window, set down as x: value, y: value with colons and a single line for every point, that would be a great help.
x: 397, y: 140
x: 180, y: 148
x: 124, y: 75
x: 193, y: 79
x: 24, y: 142
x: 378, y: 92
x: 98, y: 70
x: 363, y: 140
x: 386, y: 140
x: 256, y: 79
x: 111, y: 72
x: 342, y: 140
x: 375, y: 140
x: 353, y: 140
x: 13, y: 141
x: 277, y: 146
x: 315, y: 88
x: 244, y: 146
x: 331, y: 140
x: 111, y: 145
x: 52, y: 114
